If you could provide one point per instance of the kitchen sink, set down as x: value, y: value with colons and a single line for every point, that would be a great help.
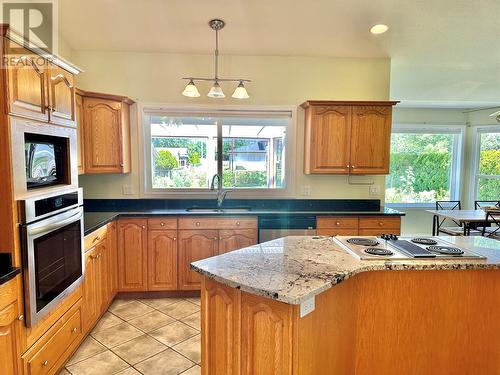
x: 227, y: 210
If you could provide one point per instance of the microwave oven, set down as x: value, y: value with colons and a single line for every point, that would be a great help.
x: 46, y: 159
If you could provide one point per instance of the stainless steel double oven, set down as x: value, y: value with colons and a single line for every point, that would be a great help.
x: 52, y: 239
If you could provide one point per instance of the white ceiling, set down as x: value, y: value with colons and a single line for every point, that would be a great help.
x: 427, y: 39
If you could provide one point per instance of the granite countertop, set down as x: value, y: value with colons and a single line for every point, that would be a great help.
x: 294, y: 269
x: 7, y: 272
x: 95, y: 220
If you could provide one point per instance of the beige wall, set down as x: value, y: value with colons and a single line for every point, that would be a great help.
x: 276, y: 81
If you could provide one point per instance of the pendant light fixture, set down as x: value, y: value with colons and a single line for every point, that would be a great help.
x: 216, y: 91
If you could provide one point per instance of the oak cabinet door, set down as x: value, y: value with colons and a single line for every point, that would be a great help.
x: 266, y: 336
x: 104, y: 280
x: 90, y: 300
x: 9, y: 357
x: 103, y: 136
x: 26, y: 83
x: 132, y: 255
x: 370, y: 139
x: 230, y: 240
x: 113, y: 257
x: 327, y: 135
x: 162, y: 260
x: 194, y: 245
x: 80, y: 134
x: 61, y: 96
x: 220, y: 322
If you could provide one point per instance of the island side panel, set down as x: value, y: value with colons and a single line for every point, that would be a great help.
x: 220, y: 328
x: 404, y: 322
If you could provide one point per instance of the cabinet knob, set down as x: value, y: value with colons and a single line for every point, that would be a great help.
x: 237, y: 223
x: 220, y: 238
x: 74, y: 330
x: 121, y: 164
x: 337, y: 223
x: 347, y: 166
x: 380, y: 223
x: 216, y: 238
x: 162, y: 224
x: 45, y: 363
x: 143, y: 227
x: 353, y: 166
x: 96, y: 239
x: 175, y: 238
x: 20, y: 317
x: 197, y: 223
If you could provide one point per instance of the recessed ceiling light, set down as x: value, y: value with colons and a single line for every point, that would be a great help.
x: 379, y: 29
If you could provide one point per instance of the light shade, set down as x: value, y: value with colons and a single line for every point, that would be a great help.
x: 240, y: 92
x: 191, y: 90
x: 379, y: 29
x: 216, y: 91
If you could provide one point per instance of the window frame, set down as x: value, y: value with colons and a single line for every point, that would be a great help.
x: 476, y: 157
x: 144, y: 135
x: 457, y: 161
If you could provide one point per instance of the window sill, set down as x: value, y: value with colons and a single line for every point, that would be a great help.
x: 426, y: 206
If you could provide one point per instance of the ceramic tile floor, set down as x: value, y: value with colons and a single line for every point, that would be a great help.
x: 143, y: 336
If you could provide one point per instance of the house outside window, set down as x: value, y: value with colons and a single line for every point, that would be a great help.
x: 181, y: 150
x: 425, y: 165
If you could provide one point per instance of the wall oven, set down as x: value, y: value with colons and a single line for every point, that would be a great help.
x: 52, y: 239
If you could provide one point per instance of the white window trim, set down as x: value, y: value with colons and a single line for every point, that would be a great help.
x: 457, y: 164
x: 475, y: 176
x: 290, y: 147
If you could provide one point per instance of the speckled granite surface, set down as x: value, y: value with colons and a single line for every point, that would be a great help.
x: 293, y: 269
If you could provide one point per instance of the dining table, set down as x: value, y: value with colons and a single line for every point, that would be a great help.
x: 468, y: 219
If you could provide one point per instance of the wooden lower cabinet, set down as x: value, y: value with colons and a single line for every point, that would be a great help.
x: 220, y: 329
x: 162, y: 260
x: 358, y: 226
x: 112, y: 238
x: 194, y: 245
x: 49, y: 353
x: 10, y: 323
x: 230, y: 240
x: 90, y: 289
x: 132, y: 255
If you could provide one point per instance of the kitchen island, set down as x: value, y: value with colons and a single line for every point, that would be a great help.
x: 303, y: 305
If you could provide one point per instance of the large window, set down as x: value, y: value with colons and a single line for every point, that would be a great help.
x: 487, y: 164
x: 425, y: 165
x: 183, y: 152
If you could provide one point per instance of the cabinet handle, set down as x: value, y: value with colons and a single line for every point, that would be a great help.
x: 220, y: 238
x: 353, y: 166
x: 237, y: 223
x: 74, y: 330
x: 96, y: 239
x: 162, y: 224
x: 337, y: 223
x: 380, y: 223
x: 45, y: 363
x: 143, y: 227
x: 197, y: 223
x: 175, y: 238
x: 121, y: 164
x: 21, y: 317
x: 347, y: 166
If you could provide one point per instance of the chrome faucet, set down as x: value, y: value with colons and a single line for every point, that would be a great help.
x: 221, y: 194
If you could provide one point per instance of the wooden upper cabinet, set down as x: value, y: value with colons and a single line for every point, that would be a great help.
x: 79, y: 134
x: 162, y: 260
x: 132, y: 255
x: 230, y: 240
x: 371, y: 139
x: 194, y: 245
x: 106, y: 125
x: 26, y: 83
x: 347, y: 137
x: 61, y: 89
x: 328, y: 128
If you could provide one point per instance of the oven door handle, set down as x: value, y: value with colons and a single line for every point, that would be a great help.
x: 51, y: 227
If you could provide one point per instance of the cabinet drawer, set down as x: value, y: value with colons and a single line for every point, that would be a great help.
x: 218, y: 223
x: 162, y: 223
x: 8, y: 292
x: 340, y: 222
x: 372, y: 222
x: 95, y: 237
x: 337, y: 232
x: 54, y: 345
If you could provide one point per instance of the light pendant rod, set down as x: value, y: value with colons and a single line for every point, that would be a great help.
x: 216, y: 54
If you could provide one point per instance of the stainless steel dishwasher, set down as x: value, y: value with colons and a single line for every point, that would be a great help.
x: 277, y: 226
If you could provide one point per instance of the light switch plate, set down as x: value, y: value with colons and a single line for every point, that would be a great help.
x: 307, y: 307
x: 374, y: 190
x: 306, y: 190
x: 128, y: 189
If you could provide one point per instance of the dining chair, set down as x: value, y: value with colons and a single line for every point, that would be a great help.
x: 457, y: 230
x: 480, y: 204
x: 493, y: 219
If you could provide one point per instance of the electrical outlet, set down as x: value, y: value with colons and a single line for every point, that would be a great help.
x: 128, y: 189
x: 374, y: 190
x: 306, y: 190
x: 307, y: 307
